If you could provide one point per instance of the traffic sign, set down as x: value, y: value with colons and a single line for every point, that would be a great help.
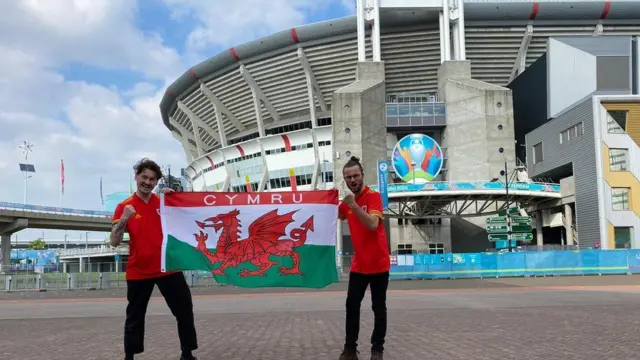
x: 497, y: 220
x: 496, y: 229
x: 522, y: 237
x: 521, y: 220
x: 512, y: 211
x: 498, y: 237
x: 521, y: 228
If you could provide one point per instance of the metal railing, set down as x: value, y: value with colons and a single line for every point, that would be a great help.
x: 52, y: 210
x: 104, y: 249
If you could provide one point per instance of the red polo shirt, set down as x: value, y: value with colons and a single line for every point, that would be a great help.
x: 145, y: 237
x: 371, y: 248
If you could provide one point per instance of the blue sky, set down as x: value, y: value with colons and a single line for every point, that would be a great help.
x: 85, y: 80
x: 153, y: 18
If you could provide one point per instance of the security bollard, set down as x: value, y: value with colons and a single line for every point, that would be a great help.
x: 100, y: 281
x: 38, y: 283
x: 192, y: 278
x: 68, y: 282
x: 8, y: 283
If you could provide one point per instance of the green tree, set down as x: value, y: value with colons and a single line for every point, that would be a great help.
x: 37, y: 244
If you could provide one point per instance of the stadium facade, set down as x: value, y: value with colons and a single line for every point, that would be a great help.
x: 284, y: 112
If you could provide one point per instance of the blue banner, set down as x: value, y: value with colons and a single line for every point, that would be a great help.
x: 525, y: 263
x: 383, y: 175
x: 470, y: 185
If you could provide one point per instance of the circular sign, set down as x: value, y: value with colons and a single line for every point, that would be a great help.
x: 383, y: 166
x: 417, y: 158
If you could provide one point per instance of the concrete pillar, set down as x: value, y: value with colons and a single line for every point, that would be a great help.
x: 479, y: 124
x: 64, y: 267
x: 360, y: 122
x: 568, y: 223
x: 81, y: 265
x: 539, y: 240
x: 5, y: 253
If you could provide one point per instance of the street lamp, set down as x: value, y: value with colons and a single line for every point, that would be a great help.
x: 26, y: 168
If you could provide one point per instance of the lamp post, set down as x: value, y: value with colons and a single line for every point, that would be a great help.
x: 506, y: 187
x: 26, y: 168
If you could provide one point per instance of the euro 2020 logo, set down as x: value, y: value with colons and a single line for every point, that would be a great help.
x: 417, y: 158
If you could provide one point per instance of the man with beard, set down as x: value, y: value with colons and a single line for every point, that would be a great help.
x: 139, y: 215
x: 362, y: 208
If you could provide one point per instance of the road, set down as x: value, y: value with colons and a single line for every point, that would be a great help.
x: 524, y: 319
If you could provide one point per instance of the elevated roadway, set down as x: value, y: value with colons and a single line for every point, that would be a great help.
x: 15, y: 217
x: 55, y: 218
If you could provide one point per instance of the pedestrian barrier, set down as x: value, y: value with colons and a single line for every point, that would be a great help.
x: 515, y: 264
x: 416, y: 266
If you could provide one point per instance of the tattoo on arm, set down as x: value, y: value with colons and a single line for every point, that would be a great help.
x: 117, y: 232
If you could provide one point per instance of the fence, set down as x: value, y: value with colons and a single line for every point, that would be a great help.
x: 416, y: 266
x: 515, y: 264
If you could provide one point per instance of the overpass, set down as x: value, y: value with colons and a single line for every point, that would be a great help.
x: 15, y: 217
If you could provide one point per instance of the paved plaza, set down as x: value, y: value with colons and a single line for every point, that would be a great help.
x: 553, y: 318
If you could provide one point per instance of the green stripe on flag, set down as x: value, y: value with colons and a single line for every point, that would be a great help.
x: 317, y: 264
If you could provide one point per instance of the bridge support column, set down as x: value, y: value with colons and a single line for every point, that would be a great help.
x: 64, y: 267
x: 5, y: 243
x: 568, y: 223
x: 5, y: 255
x: 539, y: 240
x: 81, y: 265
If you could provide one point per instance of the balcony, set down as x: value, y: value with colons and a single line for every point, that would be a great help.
x: 424, y: 114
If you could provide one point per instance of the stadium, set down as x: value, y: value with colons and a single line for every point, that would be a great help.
x: 264, y: 115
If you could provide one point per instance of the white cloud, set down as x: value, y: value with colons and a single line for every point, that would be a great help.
x: 97, y: 32
x: 98, y: 131
x: 229, y: 23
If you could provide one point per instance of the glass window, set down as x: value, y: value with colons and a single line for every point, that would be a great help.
x: 620, y: 198
x: 537, y: 153
x: 623, y: 236
x: 617, y: 121
x: 437, y: 248
x: 619, y: 159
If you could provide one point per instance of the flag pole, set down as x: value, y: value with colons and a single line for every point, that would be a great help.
x: 61, y: 181
x: 101, y: 195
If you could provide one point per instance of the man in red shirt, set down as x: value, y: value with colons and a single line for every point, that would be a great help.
x: 371, y: 263
x: 139, y: 215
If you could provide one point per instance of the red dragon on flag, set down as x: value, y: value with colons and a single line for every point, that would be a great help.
x: 262, y: 242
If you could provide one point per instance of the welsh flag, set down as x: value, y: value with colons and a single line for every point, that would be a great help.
x: 259, y: 239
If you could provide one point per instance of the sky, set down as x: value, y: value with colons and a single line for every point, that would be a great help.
x: 82, y: 79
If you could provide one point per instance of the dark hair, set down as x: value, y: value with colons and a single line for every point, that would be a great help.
x: 145, y: 164
x: 353, y: 161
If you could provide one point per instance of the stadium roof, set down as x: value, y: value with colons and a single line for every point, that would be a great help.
x: 285, y: 44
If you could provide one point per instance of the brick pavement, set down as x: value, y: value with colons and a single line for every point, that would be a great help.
x: 503, y: 323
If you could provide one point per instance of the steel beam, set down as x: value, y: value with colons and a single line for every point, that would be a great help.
x: 599, y: 30
x: 196, y: 123
x: 258, y: 97
x: 313, y: 89
x: 521, y: 59
x: 221, y: 109
x: 195, y: 136
x: 188, y: 148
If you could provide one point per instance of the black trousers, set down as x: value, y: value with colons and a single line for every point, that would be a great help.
x: 357, y: 287
x: 176, y: 294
